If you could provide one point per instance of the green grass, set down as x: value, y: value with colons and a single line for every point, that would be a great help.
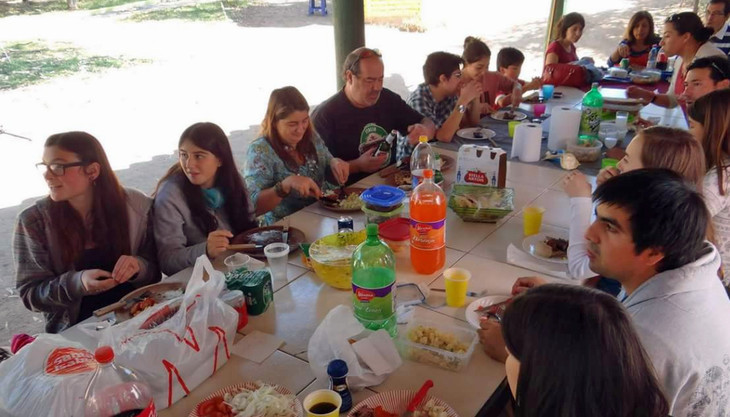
x: 33, y: 62
x: 16, y: 8
x: 203, y: 12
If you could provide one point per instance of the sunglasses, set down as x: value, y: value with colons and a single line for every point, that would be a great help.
x: 365, y: 53
x: 58, y: 169
x: 720, y: 71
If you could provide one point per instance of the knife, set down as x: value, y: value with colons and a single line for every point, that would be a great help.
x: 121, y: 304
x: 420, y: 395
x: 245, y: 246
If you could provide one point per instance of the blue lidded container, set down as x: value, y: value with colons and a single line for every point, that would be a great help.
x: 383, y: 198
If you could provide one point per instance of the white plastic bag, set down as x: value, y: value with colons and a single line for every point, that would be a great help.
x: 331, y: 340
x: 180, y: 353
x: 47, y: 377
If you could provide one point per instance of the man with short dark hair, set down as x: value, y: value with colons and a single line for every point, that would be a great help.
x: 716, y: 17
x: 704, y: 76
x: 444, y: 99
x: 356, y: 120
x: 649, y: 234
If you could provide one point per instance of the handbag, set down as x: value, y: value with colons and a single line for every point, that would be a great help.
x: 565, y: 74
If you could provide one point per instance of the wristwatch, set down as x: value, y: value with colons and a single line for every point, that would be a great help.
x: 279, y: 190
x: 462, y: 108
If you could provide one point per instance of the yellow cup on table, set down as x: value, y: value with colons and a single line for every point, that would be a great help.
x: 457, y: 283
x: 511, y: 127
x: 532, y: 220
x: 322, y: 403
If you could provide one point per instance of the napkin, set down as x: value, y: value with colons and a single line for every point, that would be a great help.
x: 519, y: 258
x: 257, y: 346
x: 378, y: 352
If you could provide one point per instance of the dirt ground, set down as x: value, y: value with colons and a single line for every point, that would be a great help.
x: 223, y: 72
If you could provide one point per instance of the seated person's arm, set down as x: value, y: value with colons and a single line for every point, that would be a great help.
x: 468, y: 97
x: 146, y: 256
x: 551, y: 58
x: 662, y: 100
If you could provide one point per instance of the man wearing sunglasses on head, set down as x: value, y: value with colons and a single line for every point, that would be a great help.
x: 704, y: 76
x: 356, y: 119
x: 716, y: 16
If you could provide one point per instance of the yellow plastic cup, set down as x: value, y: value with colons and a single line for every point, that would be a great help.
x: 532, y: 220
x: 511, y: 127
x: 457, y: 283
x: 319, y: 397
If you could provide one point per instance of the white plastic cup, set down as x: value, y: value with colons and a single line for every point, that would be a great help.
x: 236, y: 261
x: 622, y: 118
x: 277, y: 255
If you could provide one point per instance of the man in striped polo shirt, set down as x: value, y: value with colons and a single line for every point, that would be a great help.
x: 716, y: 16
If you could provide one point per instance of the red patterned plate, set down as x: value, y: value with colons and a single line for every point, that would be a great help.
x: 235, y: 389
x: 396, y: 402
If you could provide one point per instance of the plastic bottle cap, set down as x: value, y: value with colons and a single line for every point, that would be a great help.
x: 104, y: 354
x: 337, y: 368
x: 427, y: 173
x: 423, y: 138
x: 372, y: 229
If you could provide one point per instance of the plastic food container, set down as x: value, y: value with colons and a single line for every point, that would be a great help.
x: 379, y: 217
x: 396, y: 233
x: 419, y: 352
x: 382, y: 198
x: 586, y: 153
x: 331, y: 258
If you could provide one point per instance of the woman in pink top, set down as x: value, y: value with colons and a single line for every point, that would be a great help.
x: 562, y: 50
x: 476, y: 58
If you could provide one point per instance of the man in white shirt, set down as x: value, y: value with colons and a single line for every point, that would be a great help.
x: 716, y: 17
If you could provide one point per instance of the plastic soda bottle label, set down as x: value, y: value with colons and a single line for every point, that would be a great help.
x: 428, y: 235
x: 373, y: 303
x: 590, y: 122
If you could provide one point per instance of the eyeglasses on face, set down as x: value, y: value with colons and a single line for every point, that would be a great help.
x: 58, y: 169
x: 716, y: 13
x: 364, y: 53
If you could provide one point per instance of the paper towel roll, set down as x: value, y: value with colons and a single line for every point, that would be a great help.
x: 526, y: 144
x: 564, y: 126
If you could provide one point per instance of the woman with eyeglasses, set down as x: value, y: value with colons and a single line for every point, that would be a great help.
x: 637, y: 41
x: 201, y: 202
x: 88, y: 243
x: 686, y: 37
x: 285, y: 168
x: 573, y: 352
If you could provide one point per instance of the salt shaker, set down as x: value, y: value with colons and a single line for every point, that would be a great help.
x: 337, y: 370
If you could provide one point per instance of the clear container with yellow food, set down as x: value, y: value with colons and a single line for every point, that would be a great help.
x: 331, y: 258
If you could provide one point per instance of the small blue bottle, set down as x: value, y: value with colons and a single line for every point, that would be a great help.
x: 337, y: 370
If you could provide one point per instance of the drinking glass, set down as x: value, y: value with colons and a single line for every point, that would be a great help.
x: 547, y: 91
x: 277, y: 255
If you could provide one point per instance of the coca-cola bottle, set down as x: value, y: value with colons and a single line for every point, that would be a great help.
x: 115, y: 391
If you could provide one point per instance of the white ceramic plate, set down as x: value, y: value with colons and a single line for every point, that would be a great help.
x: 396, y: 402
x: 472, y: 316
x: 468, y: 133
x: 236, y: 388
x: 528, y: 245
x: 500, y: 116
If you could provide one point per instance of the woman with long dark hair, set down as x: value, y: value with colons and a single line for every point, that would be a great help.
x: 569, y: 31
x: 201, y: 202
x: 636, y: 42
x: 286, y: 166
x: 88, y: 243
x: 710, y: 125
x: 476, y: 56
x: 573, y: 352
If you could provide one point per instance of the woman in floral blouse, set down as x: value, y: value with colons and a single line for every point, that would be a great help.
x: 285, y: 168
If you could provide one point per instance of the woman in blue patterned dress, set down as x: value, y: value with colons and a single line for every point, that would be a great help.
x: 285, y: 168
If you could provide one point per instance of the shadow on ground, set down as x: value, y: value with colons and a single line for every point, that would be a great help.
x: 282, y: 15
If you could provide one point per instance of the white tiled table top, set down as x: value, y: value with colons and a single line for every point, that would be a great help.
x: 302, y: 300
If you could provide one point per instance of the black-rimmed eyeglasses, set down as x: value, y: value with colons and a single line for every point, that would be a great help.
x: 57, y: 169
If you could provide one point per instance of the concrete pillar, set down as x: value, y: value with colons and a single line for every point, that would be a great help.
x: 349, y: 23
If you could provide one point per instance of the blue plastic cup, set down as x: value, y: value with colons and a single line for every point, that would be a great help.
x: 547, y: 91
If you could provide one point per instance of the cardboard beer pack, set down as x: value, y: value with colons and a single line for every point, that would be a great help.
x: 481, y: 165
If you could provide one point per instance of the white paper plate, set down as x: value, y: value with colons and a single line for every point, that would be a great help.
x: 468, y: 133
x: 528, y: 245
x: 236, y: 388
x: 473, y: 317
x: 500, y: 116
x: 396, y: 402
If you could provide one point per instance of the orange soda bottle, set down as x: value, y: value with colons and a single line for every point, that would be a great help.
x: 428, y: 226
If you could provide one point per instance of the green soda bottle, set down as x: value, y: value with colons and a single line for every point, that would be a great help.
x: 590, y: 118
x: 373, y: 283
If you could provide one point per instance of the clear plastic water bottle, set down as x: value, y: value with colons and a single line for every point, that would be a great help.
x: 373, y: 283
x: 653, y: 54
x: 422, y: 158
x: 590, y: 118
x: 115, y: 391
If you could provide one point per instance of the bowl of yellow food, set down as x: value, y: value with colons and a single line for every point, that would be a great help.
x: 331, y: 258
